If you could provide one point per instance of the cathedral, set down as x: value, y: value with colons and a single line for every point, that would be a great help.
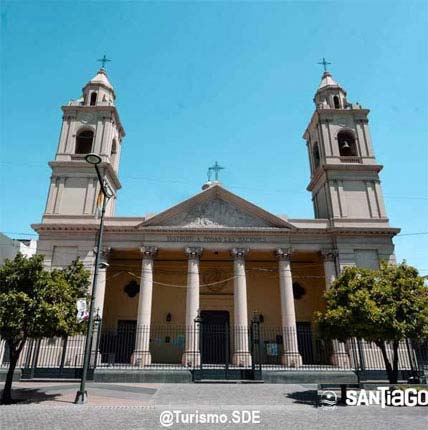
x: 215, y: 257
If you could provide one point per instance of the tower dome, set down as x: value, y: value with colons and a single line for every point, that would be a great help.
x: 330, y: 95
x: 99, y: 90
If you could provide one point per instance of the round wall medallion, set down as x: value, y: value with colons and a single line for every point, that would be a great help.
x: 131, y: 289
x: 214, y: 276
x: 298, y: 291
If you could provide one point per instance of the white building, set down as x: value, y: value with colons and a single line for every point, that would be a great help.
x: 10, y: 247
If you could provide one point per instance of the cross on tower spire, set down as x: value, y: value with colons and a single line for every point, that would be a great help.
x: 216, y: 169
x: 104, y: 60
x: 324, y: 63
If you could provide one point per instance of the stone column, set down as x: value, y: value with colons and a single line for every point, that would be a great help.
x: 99, y: 305
x: 141, y: 356
x: 339, y: 357
x: 191, y: 356
x: 291, y: 356
x: 101, y: 283
x: 241, y: 354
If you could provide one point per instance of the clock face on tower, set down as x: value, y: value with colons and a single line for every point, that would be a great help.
x: 87, y: 117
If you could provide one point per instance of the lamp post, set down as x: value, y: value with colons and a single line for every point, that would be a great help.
x: 82, y: 395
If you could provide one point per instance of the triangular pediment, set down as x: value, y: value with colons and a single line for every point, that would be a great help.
x: 216, y: 207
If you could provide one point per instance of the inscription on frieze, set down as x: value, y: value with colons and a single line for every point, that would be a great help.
x: 223, y: 239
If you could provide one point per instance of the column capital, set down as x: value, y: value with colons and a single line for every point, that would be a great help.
x: 329, y: 254
x: 149, y: 251
x: 283, y: 254
x: 193, y: 252
x: 104, y: 258
x: 105, y: 251
x: 239, y: 253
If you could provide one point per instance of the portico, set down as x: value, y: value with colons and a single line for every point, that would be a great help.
x: 177, y: 285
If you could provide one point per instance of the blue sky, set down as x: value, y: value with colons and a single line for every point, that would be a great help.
x: 203, y: 81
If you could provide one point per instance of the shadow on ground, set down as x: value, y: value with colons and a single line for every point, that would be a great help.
x: 31, y: 395
x: 308, y: 397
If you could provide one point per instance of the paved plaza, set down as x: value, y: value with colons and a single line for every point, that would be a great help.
x: 140, y: 406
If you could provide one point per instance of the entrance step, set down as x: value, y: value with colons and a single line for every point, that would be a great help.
x: 230, y: 381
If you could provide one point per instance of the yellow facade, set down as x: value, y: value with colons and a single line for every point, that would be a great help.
x: 170, y: 278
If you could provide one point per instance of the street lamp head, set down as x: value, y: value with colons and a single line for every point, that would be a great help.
x: 93, y: 159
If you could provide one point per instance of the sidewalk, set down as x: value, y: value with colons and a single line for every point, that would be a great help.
x: 141, y: 406
x: 62, y: 392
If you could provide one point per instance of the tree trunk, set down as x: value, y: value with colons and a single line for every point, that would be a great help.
x: 394, y: 378
x: 15, y: 352
x: 388, y: 367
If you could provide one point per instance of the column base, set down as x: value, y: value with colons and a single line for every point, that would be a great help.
x: 141, y: 358
x: 340, y: 359
x: 242, y: 359
x: 291, y: 359
x: 191, y: 359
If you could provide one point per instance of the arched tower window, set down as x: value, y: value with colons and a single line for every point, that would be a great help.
x: 347, y: 147
x: 113, y: 153
x: 113, y: 148
x: 316, y: 155
x: 336, y: 102
x: 84, y: 142
x: 93, y: 99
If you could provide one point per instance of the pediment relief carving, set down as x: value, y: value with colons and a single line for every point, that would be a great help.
x: 215, y: 213
x: 216, y: 207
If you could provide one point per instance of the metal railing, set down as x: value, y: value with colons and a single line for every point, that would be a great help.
x: 270, y: 348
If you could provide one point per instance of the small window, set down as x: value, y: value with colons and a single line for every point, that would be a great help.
x: 93, y: 99
x: 347, y: 147
x: 113, y: 148
x: 84, y: 142
x: 316, y: 155
x: 336, y: 102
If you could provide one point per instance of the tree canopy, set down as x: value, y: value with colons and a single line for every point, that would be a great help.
x: 389, y: 304
x: 36, y: 303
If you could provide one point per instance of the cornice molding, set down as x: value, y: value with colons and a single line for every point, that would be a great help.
x: 327, y: 232
x: 83, y: 163
x: 324, y: 168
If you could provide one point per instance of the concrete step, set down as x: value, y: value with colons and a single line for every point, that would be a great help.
x: 229, y: 381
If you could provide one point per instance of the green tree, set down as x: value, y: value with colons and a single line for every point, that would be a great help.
x: 385, y: 305
x: 36, y: 303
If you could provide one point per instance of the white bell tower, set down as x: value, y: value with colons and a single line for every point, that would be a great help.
x: 345, y: 182
x: 89, y: 124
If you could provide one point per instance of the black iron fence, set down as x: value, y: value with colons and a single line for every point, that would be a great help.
x: 165, y: 343
x: 272, y: 348
x: 277, y: 342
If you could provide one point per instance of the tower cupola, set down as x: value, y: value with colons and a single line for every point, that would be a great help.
x: 99, y: 91
x: 330, y: 95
